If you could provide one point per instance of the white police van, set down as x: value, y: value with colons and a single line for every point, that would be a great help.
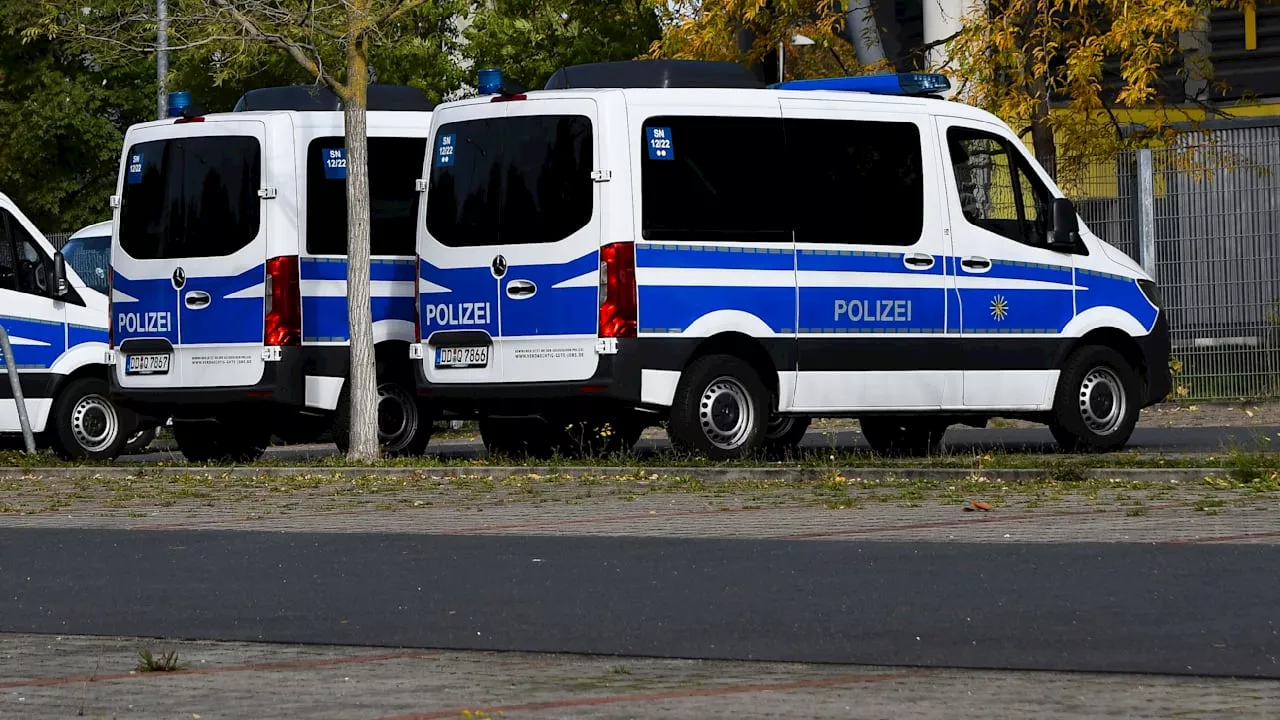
x: 229, y: 270
x: 670, y: 241
x: 57, y: 325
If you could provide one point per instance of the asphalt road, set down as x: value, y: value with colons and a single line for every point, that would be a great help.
x: 1204, y: 610
x: 959, y: 440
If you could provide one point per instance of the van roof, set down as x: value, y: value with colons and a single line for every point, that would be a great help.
x: 377, y: 119
x: 94, y: 230
x: 745, y: 99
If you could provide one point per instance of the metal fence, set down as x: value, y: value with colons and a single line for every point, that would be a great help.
x: 1205, y: 214
x: 58, y: 240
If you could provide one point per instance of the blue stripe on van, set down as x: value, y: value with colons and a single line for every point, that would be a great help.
x: 37, y: 344
x: 380, y: 269
x: 324, y: 319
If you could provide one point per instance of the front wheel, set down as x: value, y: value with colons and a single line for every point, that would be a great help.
x: 720, y: 409
x: 784, y: 432
x: 239, y: 439
x: 86, y: 424
x: 1097, y: 402
x: 139, y: 441
x: 908, y: 436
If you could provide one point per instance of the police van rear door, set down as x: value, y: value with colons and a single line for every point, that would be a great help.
x: 188, y: 261
x: 549, y: 296
x: 458, y: 286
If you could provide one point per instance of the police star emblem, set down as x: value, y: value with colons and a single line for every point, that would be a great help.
x: 999, y: 308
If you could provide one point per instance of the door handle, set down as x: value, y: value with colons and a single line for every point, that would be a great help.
x: 521, y: 289
x: 918, y: 261
x: 975, y: 264
x: 196, y: 299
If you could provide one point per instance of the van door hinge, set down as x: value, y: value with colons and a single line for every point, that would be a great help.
x: 271, y: 353
x: 601, y: 176
x: 607, y: 346
x: 114, y: 202
x: 267, y: 193
x: 420, y: 184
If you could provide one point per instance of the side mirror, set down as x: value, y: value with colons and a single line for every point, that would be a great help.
x: 1064, y: 233
x: 59, y: 285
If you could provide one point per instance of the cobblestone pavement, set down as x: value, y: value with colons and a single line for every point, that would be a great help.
x: 832, y: 511
x: 59, y: 677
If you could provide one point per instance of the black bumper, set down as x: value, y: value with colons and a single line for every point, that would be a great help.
x: 1156, y: 349
x: 283, y: 383
x: 616, y: 381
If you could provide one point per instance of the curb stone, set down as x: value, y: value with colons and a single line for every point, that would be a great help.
x: 710, y: 475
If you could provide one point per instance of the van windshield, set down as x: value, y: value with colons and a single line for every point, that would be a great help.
x: 190, y: 197
x: 88, y: 257
x: 510, y: 181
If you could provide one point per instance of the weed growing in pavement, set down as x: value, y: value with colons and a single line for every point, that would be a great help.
x: 1137, y: 511
x: 1209, y: 503
x: 165, y: 662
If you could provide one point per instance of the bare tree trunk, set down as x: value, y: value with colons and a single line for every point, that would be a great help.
x: 363, y: 370
x: 1042, y: 141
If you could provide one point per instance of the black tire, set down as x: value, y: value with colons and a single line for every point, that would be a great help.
x: 230, y: 439
x: 405, y: 422
x: 85, y: 424
x: 720, y: 409
x: 903, y: 436
x: 596, y: 437
x: 783, y: 434
x: 1097, y: 402
x: 519, y: 437
x: 139, y: 441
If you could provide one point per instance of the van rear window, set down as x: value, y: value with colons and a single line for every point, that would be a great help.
x: 510, y: 181
x: 190, y: 197
x: 394, y: 165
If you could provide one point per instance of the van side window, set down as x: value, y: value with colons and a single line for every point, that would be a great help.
x: 855, y: 181
x: 191, y: 197
x: 394, y: 165
x: 714, y: 179
x: 23, y: 266
x: 511, y: 181
x: 998, y: 192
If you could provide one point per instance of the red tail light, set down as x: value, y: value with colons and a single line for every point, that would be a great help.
x: 618, y: 290
x: 111, y: 316
x: 283, y: 324
x: 417, y: 299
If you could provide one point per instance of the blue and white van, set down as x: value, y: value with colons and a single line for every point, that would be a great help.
x: 57, y: 325
x: 735, y: 260
x: 229, y: 270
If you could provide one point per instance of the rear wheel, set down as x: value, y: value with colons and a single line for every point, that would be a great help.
x: 518, y: 437
x: 908, y: 436
x: 86, y: 424
x: 1097, y: 402
x: 404, y: 425
x: 239, y: 439
x: 720, y: 408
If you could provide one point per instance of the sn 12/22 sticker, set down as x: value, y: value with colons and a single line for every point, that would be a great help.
x: 660, y: 146
x: 335, y: 163
x: 444, y: 150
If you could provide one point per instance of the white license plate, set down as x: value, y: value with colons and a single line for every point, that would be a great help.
x: 147, y: 365
x: 462, y: 357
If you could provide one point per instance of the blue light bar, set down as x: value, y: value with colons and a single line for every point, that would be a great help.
x: 490, y: 81
x: 178, y: 101
x: 892, y: 84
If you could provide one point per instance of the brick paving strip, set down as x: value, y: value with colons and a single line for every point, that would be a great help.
x: 45, y: 677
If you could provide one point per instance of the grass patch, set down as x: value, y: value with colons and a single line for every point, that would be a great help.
x: 164, y: 662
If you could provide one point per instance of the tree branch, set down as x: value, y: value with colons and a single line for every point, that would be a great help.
x: 396, y: 11
x: 295, y: 50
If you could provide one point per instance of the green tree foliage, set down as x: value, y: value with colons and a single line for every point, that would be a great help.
x: 61, y: 117
x: 531, y: 39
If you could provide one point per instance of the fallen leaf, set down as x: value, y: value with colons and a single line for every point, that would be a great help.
x: 980, y: 505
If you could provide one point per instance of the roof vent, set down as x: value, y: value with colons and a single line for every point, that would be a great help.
x: 312, y: 98
x: 654, y: 74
